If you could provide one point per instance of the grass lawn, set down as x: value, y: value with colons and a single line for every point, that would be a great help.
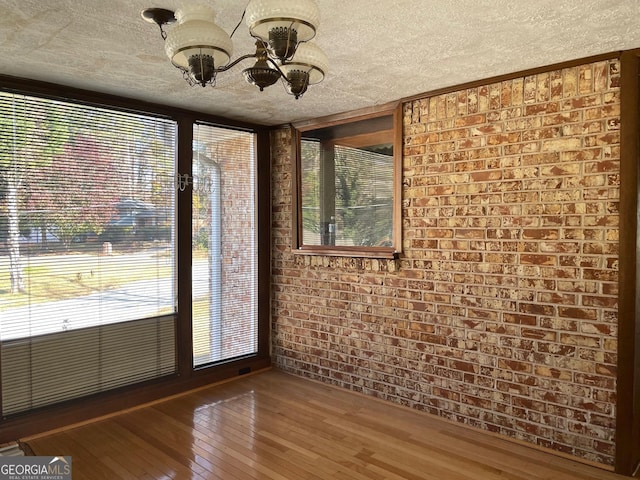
x: 64, y: 275
x: 201, y: 328
x: 68, y: 275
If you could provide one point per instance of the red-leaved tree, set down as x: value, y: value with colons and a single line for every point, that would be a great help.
x: 77, y: 192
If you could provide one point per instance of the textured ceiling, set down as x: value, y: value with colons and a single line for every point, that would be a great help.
x: 379, y: 51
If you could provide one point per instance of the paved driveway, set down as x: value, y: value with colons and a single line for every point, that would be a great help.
x: 132, y: 301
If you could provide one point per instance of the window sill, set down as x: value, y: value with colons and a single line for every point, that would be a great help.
x: 389, y: 253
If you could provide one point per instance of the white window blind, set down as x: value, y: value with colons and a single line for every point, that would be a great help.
x: 347, y: 194
x: 87, y: 261
x: 364, y: 197
x: 224, y: 303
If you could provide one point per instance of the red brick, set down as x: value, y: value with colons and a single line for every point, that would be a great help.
x: 501, y: 312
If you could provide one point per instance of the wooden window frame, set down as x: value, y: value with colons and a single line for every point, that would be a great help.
x: 395, y: 136
x: 186, y: 377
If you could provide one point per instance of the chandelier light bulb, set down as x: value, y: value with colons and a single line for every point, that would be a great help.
x: 196, y: 45
x: 282, y: 24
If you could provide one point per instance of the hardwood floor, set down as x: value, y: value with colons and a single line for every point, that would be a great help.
x: 275, y: 426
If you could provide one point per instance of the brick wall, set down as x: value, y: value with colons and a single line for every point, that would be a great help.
x: 501, y: 312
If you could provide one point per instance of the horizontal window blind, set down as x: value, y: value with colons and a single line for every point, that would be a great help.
x: 87, y: 260
x: 76, y: 363
x: 310, y: 189
x: 347, y: 194
x: 224, y: 270
x: 364, y: 197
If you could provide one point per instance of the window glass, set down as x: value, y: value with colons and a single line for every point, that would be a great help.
x: 224, y: 247
x: 87, y: 283
x: 359, y: 210
x: 347, y: 188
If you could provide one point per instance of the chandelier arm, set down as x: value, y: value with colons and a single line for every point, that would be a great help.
x: 224, y: 68
x: 258, y: 39
x: 289, y: 30
x: 275, y: 65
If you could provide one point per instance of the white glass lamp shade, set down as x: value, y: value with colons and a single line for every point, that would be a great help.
x: 301, y: 15
x: 197, y: 34
x: 308, y: 58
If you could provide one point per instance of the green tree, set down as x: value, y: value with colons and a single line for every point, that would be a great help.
x: 364, y: 203
x: 31, y: 133
x: 310, y: 162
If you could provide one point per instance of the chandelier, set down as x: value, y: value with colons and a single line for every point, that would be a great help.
x: 282, y: 30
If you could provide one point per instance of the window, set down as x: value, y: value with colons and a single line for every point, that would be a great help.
x: 126, y: 274
x: 224, y: 246
x: 87, y: 283
x: 349, y: 186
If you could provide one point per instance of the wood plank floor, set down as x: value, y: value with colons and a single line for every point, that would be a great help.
x: 275, y: 426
